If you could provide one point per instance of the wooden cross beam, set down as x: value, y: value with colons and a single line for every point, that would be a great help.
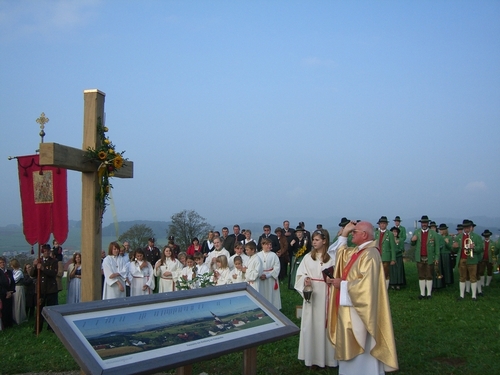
x: 57, y: 155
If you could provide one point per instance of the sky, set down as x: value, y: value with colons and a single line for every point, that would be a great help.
x: 263, y: 110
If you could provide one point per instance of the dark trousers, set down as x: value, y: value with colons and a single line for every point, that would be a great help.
x: 6, y: 311
x: 46, y: 300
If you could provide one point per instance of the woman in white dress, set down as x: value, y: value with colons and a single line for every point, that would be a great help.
x: 74, y: 282
x: 142, y: 280
x: 115, y: 273
x: 167, y: 269
x: 19, y: 302
x: 315, y: 348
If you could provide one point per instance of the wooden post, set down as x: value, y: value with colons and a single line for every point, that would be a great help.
x: 91, y: 217
x: 184, y: 370
x: 250, y: 361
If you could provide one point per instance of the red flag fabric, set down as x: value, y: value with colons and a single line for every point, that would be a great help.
x: 44, y: 200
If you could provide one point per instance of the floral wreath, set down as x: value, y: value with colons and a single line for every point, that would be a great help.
x: 109, y: 162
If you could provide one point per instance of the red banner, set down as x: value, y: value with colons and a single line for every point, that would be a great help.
x: 44, y: 200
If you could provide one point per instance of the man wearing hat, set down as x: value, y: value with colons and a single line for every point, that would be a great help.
x: 427, y: 254
x: 486, y: 263
x: 343, y: 222
x: 386, y: 247
x: 48, y: 269
x: 151, y: 252
x: 402, y: 230
x: 469, y: 248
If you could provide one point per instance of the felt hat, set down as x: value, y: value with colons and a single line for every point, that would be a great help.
x: 424, y: 219
x: 467, y: 223
x: 442, y: 226
x: 486, y: 233
x: 344, y: 221
x: 383, y: 219
x: 397, y: 218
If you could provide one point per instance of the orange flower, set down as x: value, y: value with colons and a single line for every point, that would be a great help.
x: 101, y: 155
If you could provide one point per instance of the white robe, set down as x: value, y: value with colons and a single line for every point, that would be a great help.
x: 214, y: 254
x: 188, y: 272
x: 270, y: 287
x: 167, y: 283
x: 253, y: 272
x: 201, y: 269
x: 315, y: 347
x: 240, y: 276
x: 230, y: 261
x: 223, y: 278
x: 114, y: 264
x: 139, y: 277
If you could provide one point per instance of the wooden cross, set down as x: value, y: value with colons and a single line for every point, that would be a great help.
x: 57, y: 155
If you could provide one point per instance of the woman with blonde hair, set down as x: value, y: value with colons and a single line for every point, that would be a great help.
x: 74, y: 279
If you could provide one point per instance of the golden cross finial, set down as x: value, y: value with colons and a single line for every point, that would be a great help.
x: 42, y: 120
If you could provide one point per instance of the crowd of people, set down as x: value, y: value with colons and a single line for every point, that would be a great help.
x: 345, y: 319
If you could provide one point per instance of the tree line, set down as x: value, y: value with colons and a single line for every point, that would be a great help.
x: 184, y: 226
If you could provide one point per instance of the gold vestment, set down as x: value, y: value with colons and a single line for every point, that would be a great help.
x: 368, y: 294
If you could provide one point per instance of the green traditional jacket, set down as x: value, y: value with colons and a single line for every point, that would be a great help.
x: 388, y: 251
x: 349, y: 240
x: 445, y: 248
x: 400, y: 248
x: 478, y: 249
x: 402, y: 233
x: 433, y: 243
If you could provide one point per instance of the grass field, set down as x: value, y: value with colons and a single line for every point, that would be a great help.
x: 438, y: 336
